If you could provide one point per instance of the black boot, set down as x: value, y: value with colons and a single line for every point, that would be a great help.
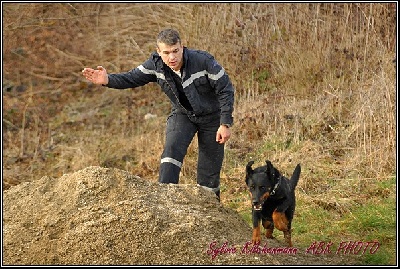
x: 218, y: 192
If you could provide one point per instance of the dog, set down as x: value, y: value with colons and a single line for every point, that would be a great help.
x: 273, y: 200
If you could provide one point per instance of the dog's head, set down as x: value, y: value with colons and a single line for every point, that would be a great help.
x: 261, y: 183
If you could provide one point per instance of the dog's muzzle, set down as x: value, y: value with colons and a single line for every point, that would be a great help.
x: 257, y: 205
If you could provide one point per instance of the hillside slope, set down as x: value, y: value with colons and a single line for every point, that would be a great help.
x: 107, y: 216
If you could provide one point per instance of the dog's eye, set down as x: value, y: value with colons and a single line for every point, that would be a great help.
x: 262, y: 188
x: 251, y: 187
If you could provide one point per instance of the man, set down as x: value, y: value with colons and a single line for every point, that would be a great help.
x: 202, y: 98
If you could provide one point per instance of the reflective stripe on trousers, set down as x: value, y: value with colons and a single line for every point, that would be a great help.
x: 180, y: 131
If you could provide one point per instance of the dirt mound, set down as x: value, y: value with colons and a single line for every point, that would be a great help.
x: 106, y: 216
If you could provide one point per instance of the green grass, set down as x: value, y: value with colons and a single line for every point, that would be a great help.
x: 369, y: 220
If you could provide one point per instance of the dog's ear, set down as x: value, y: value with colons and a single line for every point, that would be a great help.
x: 248, y: 167
x: 270, y: 169
x: 249, y: 171
x: 269, y: 166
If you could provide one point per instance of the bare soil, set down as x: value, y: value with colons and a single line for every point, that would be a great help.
x: 106, y: 216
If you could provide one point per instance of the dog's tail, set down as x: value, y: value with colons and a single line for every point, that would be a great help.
x: 295, y: 177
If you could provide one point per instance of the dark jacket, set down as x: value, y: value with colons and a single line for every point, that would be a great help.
x: 205, y: 84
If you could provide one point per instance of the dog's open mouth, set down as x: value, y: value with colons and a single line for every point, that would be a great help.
x: 257, y: 207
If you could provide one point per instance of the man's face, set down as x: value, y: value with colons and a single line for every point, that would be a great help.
x: 171, y: 55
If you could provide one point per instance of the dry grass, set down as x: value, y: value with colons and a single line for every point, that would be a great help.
x: 315, y: 84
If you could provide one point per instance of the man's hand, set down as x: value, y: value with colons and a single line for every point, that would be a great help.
x: 98, y: 76
x: 223, y: 134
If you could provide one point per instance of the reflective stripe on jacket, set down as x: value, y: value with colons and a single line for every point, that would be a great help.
x: 205, y: 83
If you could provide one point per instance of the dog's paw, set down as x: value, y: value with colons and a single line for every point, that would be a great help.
x: 256, y: 241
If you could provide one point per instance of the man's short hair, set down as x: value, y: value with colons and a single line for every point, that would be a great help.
x: 169, y: 37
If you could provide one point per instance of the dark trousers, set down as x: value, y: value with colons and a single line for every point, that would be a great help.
x: 179, y: 134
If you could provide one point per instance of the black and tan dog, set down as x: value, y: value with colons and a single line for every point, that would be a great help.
x: 273, y: 200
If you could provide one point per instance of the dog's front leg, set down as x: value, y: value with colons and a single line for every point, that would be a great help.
x: 269, y: 228
x: 256, y: 238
